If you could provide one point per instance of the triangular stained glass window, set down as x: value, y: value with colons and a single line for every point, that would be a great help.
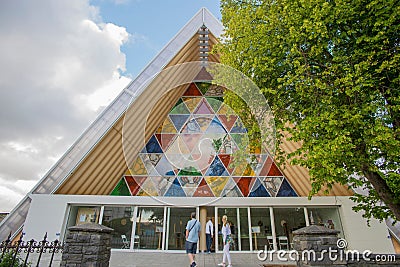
x: 192, y: 153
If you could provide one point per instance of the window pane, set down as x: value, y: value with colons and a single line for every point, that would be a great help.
x: 149, y: 227
x: 244, y: 229
x: 287, y: 220
x: 328, y: 217
x: 261, y: 228
x: 120, y: 219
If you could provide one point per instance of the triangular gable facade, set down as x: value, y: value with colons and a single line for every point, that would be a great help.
x: 96, y: 164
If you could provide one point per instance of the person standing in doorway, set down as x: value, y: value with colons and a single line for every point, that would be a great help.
x: 192, y: 237
x: 226, y: 239
x: 209, y: 234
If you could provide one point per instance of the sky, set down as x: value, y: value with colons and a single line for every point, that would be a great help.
x: 61, y: 63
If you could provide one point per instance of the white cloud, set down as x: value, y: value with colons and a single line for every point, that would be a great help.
x: 60, y: 64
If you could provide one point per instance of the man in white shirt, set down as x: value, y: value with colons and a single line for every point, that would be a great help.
x: 209, y: 234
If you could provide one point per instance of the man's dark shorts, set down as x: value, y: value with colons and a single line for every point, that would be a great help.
x: 190, y: 247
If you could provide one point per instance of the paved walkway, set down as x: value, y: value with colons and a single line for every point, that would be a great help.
x: 158, y: 259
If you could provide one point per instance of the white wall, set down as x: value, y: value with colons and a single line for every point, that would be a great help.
x: 359, y: 235
x: 48, y: 213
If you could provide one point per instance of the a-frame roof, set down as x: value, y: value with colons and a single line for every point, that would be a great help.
x: 179, y: 49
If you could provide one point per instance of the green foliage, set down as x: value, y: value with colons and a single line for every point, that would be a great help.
x: 330, y: 72
x: 8, y: 259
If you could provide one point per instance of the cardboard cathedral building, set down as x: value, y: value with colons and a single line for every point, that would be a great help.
x: 165, y: 147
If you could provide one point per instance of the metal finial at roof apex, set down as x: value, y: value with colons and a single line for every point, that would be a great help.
x: 203, y: 44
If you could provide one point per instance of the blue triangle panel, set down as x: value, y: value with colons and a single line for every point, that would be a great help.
x: 259, y: 190
x: 152, y: 146
x: 175, y: 190
x: 178, y: 120
x: 238, y: 127
x: 217, y: 168
x: 286, y: 190
x: 215, y: 126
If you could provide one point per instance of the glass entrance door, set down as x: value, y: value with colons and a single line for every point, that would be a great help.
x: 178, y: 218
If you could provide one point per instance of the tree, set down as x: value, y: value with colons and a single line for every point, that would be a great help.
x: 330, y: 72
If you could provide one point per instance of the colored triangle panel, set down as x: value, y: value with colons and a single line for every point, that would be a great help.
x: 203, y: 87
x: 215, y: 102
x: 228, y: 121
x: 267, y: 166
x: 138, y: 167
x: 191, y: 181
x: 191, y: 127
x: 286, y: 190
x: 204, y: 108
x: 191, y: 140
x: 164, y: 167
x: 178, y: 120
x: 274, y: 170
x: 217, y: 168
x: 238, y: 127
x: 180, y: 109
x: 272, y: 184
x: 192, y: 91
x: 216, y: 183
x: 203, y: 121
x: 203, y: 190
x: 162, y: 184
x: 226, y: 160
x: 147, y: 189
x: 203, y: 75
x: 215, y: 90
x: 133, y: 185
x: 175, y: 190
x: 152, y: 146
x: 215, y: 127
x: 190, y: 171
x: 167, y: 126
x: 121, y: 189
x: 191, y: 102
x: 165, y: 140
x: 258, y: 190
x: 245, y: 184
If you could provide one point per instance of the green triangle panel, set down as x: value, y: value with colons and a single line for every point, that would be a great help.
x: 180, y: 109
x: 121, y: 189
x: 203, y: 87
x: 215, y: 102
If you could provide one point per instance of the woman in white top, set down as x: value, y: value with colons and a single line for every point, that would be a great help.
x: 226, y: 232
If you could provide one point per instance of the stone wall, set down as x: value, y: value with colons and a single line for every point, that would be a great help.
x: 87, y: 245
